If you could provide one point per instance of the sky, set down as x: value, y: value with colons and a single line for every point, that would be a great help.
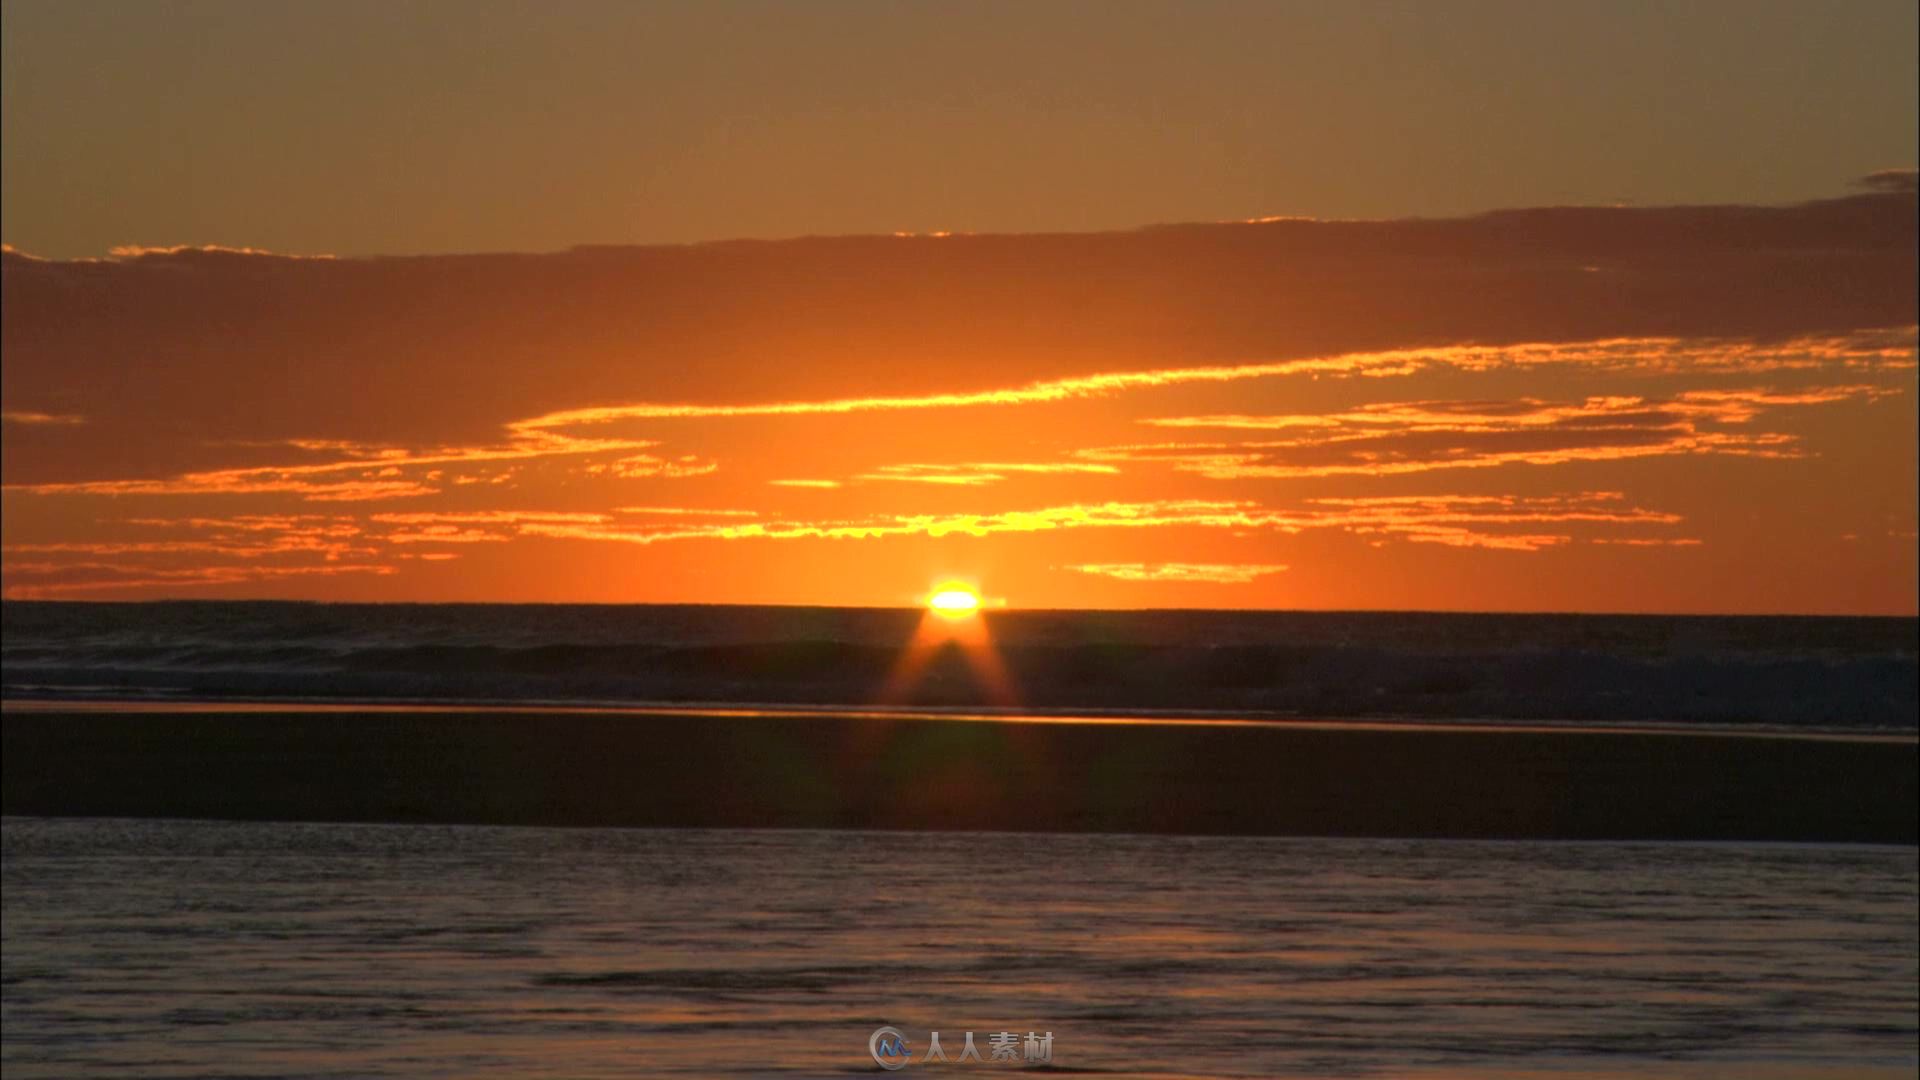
x: 1461, y: 307
x: 366, y: 127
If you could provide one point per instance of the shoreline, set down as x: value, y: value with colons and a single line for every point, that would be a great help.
x: 769, y: 710
x: 775, y: 768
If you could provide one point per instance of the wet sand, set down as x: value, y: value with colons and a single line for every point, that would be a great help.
x: 848, y: 771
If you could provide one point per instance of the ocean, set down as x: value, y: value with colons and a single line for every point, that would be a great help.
x: 1842, y: 672
x: 175, y: 948
x: 307, y: 840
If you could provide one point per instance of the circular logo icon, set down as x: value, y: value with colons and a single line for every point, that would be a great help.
x: 889, y: 1048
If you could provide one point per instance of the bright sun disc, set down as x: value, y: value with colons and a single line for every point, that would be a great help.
x: 954, y: 601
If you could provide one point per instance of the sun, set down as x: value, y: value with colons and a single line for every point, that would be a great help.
x: 953, y: 600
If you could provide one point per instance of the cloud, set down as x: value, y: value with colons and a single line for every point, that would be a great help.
x: 973, y: 474
x: 1454, y: 536
x: 1204, y: 513
x: 932, y: 474
x: 381, y: 468
x: 1481, y: 521
x: 641, y: 466
x: 241, y: 482
x: 379, y: 471
x: 1879, y: 348
x: 1602, y: 506
x: 1397, y: 438
x: 140, y: 251
x: 41, y: 419
x: 275, y: 547
x: 1459, y: 520
x: 442, y: 534
x: 1722, y: 406
x: 487, y: 517
x: 685, y: 511
x: 370, y: 348
x: 472, y: 526
x: 292, y: 524
x: 1153, y: 381
x: 1893, y: 181
x: 39, y: 581
x: 243, y: 537
x: 1211, y: 573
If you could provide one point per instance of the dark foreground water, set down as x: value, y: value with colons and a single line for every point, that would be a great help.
x: 172, y: 948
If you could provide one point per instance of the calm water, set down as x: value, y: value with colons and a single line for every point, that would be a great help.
x: 211, y: 949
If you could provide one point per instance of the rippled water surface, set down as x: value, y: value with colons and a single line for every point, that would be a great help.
x: 1815, y: 672
x: 212, y: 949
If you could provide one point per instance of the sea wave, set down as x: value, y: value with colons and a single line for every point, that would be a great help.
x: 1815, y: 672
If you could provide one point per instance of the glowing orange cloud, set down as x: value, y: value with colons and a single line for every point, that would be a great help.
x: 48, y: 580
x: 381, y: 471
x: 1883, y: 349
x: 384, y: 472
x: 1212, y: 573
x: 644, y: 465
x: 685, y: 511
x: 974, y: 474
x: 40, y: 419
x: 1397, y: 438
x: 1430, y: 518
x: 138, y: 251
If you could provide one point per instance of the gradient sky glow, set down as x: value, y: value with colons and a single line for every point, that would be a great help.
x: 369, y: 127
x: 1401, y: 393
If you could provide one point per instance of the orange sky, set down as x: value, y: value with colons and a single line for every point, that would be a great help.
x: 1618, y: 409
x: 1682, y: 387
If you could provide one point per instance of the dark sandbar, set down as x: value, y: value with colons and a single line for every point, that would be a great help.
x: 536, y: 767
